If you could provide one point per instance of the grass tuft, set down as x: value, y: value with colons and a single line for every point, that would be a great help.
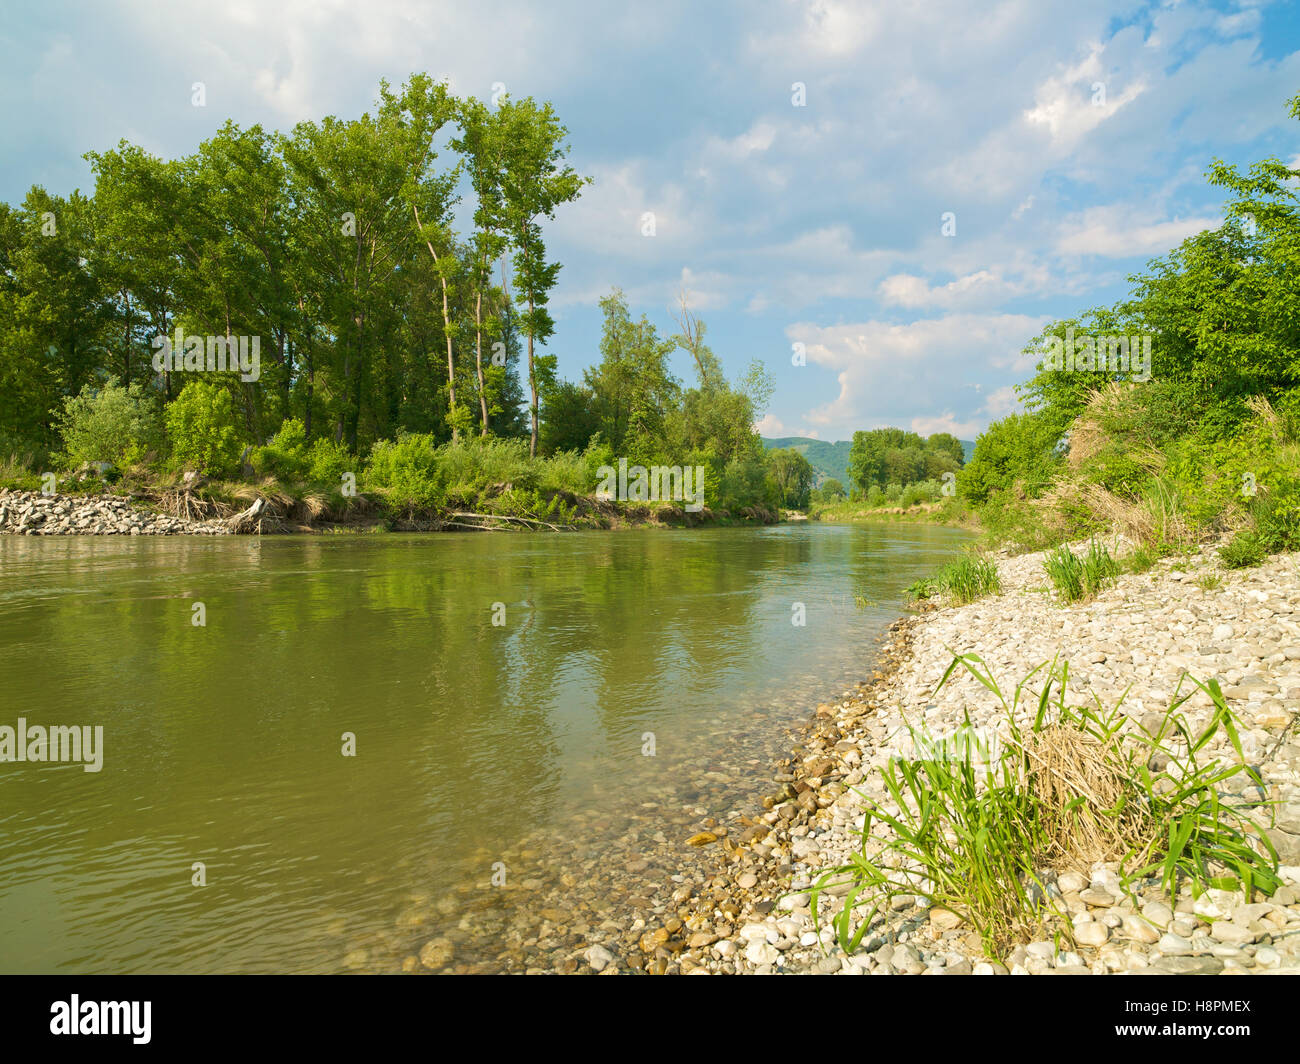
x: 970, y: 577
x: 1078, y: 578
x: 980, y: 829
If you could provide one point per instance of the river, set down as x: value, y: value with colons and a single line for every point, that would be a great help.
x: 498, y: 741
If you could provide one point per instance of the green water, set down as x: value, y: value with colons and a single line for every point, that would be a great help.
x: 518, y: 747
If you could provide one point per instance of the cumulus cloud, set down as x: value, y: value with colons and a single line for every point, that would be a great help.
x: 928, y: 368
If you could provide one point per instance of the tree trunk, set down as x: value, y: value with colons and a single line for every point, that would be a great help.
x: 446, y: 328
x: 478, y: 358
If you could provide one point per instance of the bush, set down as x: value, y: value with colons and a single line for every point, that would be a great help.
x: 407, y: 471
x: 114, y: 424
x: 203, y: 430
x: 285, y: 455
x: 328, y: 461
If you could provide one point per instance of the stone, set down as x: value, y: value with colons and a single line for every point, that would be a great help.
x: 599, y: 958
x: 1230, y: 933
x: 1172, y: 945
x: 437, y: 954
x: 1098, y: 898
x: 1139, y: 929
x: 761, y: 953
x: 1158, y: 913
x: 1092, y: 933
x: 1186, y: 966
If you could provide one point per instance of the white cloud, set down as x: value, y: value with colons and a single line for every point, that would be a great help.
x: 1078, y: 100
x: 931, y: 366
x: 1124, y: 231
x: 928, y: 426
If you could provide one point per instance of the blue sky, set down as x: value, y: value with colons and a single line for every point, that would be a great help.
x: 818, y: 224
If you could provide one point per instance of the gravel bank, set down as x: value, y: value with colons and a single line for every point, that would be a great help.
x: 29, y: 513
x: 1142, y: 634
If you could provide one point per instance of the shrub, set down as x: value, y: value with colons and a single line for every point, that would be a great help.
x: 203, y: 431
x: 285, y: 455
x: 328, y: 461
x: 1078, y: 578
x: 407, y: 471
x: 1018, y: 451
x: 114, y: 424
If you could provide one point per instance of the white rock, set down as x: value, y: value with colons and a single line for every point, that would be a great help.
x: 1093, y: 933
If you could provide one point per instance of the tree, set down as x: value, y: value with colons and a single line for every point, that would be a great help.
x: 569, y: 419
x: 947, y: 444
x: 792, y: 475
x: 633, y: 389
x: 533, y: 186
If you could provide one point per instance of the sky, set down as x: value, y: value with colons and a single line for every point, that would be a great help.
x: 800, y: 160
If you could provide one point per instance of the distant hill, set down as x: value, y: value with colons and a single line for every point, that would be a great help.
x: 830, y: 459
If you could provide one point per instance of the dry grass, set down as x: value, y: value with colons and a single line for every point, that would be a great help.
x: 1084, y: 785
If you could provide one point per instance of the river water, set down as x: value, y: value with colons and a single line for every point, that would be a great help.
x: 372, y: 741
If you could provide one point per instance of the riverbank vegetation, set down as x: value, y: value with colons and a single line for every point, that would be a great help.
x: 1200, y: 444
x: 297, y: 315
x: 1172, y: 418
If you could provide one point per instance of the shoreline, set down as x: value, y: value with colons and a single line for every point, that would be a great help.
x: 33, y: 513
x: 1143, y: 633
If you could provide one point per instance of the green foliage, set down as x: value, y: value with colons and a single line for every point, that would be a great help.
x: 1245, y: 550
x: 1015, y: 455
x: 414, y: 473
x: 895, y: 456
x: 970, y: 577
x: 791, y: 478
x: 569, y: 418
x: 407, y: 471
x: 1078, y: 578
x: 110, y: 424
x: 203, y: 429
x: 291, y: 458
